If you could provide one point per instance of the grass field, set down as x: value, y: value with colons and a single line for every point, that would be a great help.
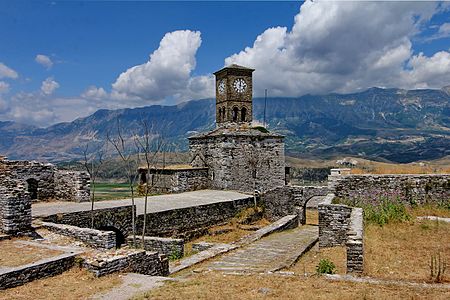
x: 111, y: 191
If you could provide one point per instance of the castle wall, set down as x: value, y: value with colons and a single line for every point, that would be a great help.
x: 176, y: 181
x: 410, y: 189
x: 241, y: 162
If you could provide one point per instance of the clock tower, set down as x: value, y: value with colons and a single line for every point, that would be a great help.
x: 234, y: 95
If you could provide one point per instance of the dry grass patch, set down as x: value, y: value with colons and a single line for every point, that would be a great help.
x: 308, y: 262
x: 73, y: 284
x: 219, y: 286
x: 14, y: 253
x: 403, y: 250
x: 312, y: 217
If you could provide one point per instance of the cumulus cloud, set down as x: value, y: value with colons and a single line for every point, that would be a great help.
x: 343, y: 47
x: 41, y: 110
x: 49, y: 85
x: 6, y: 72
x: 167, y: 73
x: 44, y: 60
x: 4, y: 87
x: 93, y: 92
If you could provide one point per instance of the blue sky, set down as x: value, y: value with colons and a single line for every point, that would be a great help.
x: 60, y: 60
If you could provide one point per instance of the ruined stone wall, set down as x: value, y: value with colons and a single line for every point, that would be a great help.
x: 341, y: 225
x: 117, y: 217
x: 16, y: 276
x: 410, y: 189
x: 235, y: 160
x: 355, y: 242
x: 166, y: 246
x: 46, y: 182
x: 15, y: 206
x: 142, y: 262
x: 334, y: 221
x: 191, y: 222
x: 72, y: 186
x: 179, y: 181
x: 91, y: 237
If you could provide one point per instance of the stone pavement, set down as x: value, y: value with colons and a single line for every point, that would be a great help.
x: 155, y: 203
x: 270, y: 254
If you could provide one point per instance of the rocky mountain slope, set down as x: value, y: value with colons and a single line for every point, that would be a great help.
x: 384, y: 124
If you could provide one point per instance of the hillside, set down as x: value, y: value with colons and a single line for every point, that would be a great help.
x: 381, y: 124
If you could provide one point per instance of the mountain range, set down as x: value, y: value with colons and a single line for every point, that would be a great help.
x: 383, y: 124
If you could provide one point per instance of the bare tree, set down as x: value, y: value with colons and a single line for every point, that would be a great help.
x: 147, y: 143
x: 125, y: 152
x: 92, y: 163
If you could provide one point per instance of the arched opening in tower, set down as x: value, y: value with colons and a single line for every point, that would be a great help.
x: 235, y: 114
x: 243, y: 114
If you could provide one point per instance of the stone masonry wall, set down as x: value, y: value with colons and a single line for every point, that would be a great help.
x: 142, y: 262
x: 334, y: 220
x: 191, y: 222
x: 343, y: 225
x: 117, y: 217
x: 15, y: 206
x: 278, y: 202
x: 92, y: 237
x: 355, y: 242
x: 17, y: 276
x: 179, y: 181
x: 166, y: 246
x: 72, y: 186
x: 411, y: 189
x: 235, y: 159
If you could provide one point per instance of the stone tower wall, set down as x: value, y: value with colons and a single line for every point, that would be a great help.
x: 233, y: 160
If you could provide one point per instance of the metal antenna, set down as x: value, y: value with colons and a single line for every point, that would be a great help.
x: 265, y: 105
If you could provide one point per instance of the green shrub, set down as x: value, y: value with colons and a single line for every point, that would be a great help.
x: 387, y: 211
x: 175, y: 254
x: 325, y: 266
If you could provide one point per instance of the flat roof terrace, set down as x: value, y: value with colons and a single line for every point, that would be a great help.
x: 155, y: 203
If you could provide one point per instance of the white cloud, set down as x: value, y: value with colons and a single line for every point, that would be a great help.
x: 44, y: 60
x: 49, y: 85
x: 92, y: 92
x: 342, y: 47
x: 6, y: 72
x: 167, y: 73
x: 4, y: 87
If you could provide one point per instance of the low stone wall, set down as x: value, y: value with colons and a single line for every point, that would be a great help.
x: 119, y: 218
x: 142, y: 262
x: 287, y: 200
x: 410, y: 189
x: 202, y: 246
x: 72, y: 186
x: 190, y: 222
x: 334, y: 220
x: 15, y: 207
x: 355, y: 242
x: 91, y: 237
x: 12, y: 277
x: 166, y: 246
x: 341, y: 225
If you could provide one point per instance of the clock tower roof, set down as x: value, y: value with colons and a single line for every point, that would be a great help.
x: 233, y: 67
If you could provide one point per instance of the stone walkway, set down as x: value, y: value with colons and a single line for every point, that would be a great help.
x: 270, y: 254
x: 155, y: 203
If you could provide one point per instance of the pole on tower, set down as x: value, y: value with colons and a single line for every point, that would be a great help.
x: 265, y: 105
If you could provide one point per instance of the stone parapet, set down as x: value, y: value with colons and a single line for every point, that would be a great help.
x: 166, y: 246
x: 91, y: 237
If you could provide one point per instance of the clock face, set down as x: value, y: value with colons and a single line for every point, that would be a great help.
x: 239, y: 85
x: 221, y: 87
